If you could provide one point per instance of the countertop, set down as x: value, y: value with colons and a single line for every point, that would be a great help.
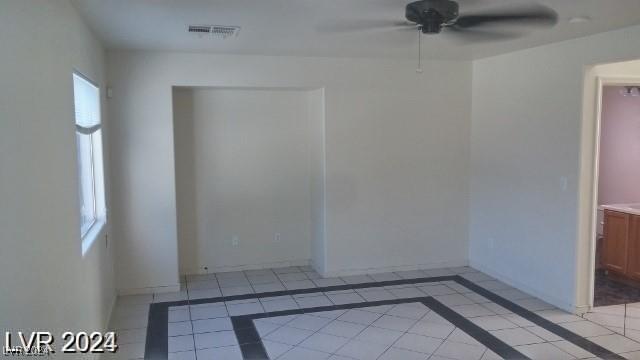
x: 624, y: 208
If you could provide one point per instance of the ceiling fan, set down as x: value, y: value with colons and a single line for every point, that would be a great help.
x: 435, y: 16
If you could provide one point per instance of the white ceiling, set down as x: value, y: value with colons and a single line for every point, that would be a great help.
x: 289, y: 27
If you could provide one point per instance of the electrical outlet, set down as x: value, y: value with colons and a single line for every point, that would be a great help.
x: 235, y: 241
x: 277, y: 238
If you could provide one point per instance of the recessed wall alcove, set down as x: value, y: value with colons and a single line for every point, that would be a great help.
x: 249, y: 166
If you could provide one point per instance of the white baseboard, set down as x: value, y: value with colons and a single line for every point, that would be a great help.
x: 317, y: 267
x: 149, y: 290
x: 582, y: 309
x: 306, y: 262
x: 219, y: 269
x: 110, y: 313
x: 572, y: 308
x: 105, y: 327
x: 375, y: 270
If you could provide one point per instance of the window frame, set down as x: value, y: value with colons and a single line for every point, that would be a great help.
x: 89, y: 234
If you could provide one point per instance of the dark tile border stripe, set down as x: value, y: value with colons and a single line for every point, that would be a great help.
x: 321, y: 289
x: 156, y: 347
x: 253, y: 349
x: 481, y: 335
x: 558, y: 330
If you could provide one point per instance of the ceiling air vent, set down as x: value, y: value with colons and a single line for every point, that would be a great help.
x: 215, y: 30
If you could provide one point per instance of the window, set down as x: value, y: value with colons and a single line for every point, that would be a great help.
x: 90, y: 167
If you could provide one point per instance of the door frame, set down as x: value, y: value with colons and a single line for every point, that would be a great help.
x: 601, y: 81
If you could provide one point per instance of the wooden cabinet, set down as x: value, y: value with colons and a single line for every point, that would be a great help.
x: 616, y: 239
x: 621, y: 248
x: 633, y: 258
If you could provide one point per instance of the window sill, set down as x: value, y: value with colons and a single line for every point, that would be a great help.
x: 95, y: 232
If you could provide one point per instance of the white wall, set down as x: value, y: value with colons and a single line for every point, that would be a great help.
x: 396, y: 147
x: 46, y: 282
x: 242, y: 171
x: 317, y: 167
x: 526, y: 139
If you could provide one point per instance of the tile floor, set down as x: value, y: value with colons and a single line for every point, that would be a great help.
x: 368, y: 333
x: 202, y: 330
x: 609, y: 291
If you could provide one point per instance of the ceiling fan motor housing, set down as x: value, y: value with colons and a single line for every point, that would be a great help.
x: 431, y: 15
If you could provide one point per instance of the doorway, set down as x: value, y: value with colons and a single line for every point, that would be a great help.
x: 596, y: 77
x: 616, y: 234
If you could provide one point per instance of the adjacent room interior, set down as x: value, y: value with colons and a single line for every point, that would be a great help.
x: 618, y: 228
x: 344, y: 180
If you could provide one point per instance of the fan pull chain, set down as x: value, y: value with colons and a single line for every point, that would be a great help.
x: 419, y: 69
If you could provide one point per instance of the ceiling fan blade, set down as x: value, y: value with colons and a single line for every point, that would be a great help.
x: 355, y: 25
x: 537, y: 15
x: 468, y: 36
